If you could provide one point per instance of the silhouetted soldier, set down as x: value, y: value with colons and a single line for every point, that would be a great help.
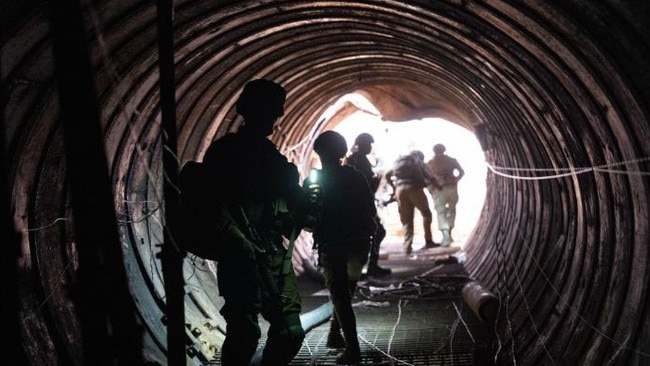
x: 408, y: 177
x: 342, y: 236
x: 359, y: 160
x: 262, y: 204
x: 446, y: 172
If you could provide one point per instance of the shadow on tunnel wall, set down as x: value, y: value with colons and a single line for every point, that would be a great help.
x: 560, y: 87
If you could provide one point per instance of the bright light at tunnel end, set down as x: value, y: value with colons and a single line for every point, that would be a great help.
x: 393, y: 139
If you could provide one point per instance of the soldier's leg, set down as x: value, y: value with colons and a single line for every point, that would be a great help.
x: 373, y: 262
x: 451, y: 208
x: 285, y: 333
x: 242, y: 336
x: 342, y: 301
x: 334, y: 336
x: 379, y: 235
x: 422, y: 204
x: 448, y: 196
x: 241, y: 308
x: 284, y: 341
x: 406, y: 215
x: 440, y: 205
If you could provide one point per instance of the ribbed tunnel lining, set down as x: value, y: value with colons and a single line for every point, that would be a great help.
x: 556, y: 84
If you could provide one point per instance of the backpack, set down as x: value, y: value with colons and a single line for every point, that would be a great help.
x: 198, y: 233
x: 410, y: 170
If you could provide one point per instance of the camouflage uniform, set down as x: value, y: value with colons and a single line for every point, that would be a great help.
x: 444, y: 191
x: 254, y: 182
x: 409, y: 176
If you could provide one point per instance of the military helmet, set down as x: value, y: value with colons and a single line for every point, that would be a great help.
x: 330, y: 144
x: 364, y: 138
x: 261, y: 97
x: 418, y: 154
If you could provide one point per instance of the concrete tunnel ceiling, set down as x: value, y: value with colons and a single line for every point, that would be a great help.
x: 555, y: 88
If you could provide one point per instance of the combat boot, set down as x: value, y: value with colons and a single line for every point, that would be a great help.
x: 351, y: 355
x: 376, y: 270
x: 429, y: 244
x: 334, y: 337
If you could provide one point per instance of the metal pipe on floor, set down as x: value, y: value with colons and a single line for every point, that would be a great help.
x: 483, y: 303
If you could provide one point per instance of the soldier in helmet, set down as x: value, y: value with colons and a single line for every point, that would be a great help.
x: 264, y: 204
x: 342, y: 237
x: 409, y: 176
x: 359, y: 160
x: 446, y: 172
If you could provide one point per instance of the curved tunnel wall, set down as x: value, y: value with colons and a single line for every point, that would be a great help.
x: 561, y: 87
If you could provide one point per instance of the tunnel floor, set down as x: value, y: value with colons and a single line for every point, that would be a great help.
x: 415, y: 316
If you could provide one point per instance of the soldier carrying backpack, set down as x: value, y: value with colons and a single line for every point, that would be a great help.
x: 248, y: 203
x: 409, y: 176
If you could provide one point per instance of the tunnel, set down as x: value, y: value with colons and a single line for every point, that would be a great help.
x: 556, y: 91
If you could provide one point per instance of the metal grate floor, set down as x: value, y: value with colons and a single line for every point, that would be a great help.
x: 407, y: 332
x: 416, y: 316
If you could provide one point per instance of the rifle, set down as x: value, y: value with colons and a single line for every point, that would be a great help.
x: 264, y: 276
x: 391, y: 199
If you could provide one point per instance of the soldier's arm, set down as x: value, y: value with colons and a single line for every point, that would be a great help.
x: 233, y: 238
x: 461, y: 172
